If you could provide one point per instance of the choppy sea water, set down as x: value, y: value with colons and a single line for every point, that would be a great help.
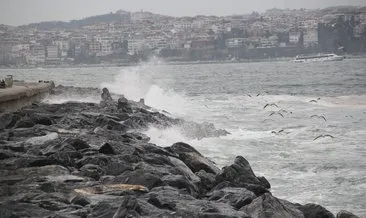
x: 278, y: 140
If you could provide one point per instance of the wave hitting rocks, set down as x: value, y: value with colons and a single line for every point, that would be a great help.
x: 91, y: 160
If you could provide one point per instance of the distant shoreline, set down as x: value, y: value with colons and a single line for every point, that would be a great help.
x: 168, y: 63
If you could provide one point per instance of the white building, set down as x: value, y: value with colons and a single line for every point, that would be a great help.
x: 105, y: 45
x: 294, y: 37
x: 135, y: 46
x: 235, y: 43
x: 52, y: 51
x: 311, y: 38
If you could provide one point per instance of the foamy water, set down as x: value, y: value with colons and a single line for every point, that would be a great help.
x: 278, y: 140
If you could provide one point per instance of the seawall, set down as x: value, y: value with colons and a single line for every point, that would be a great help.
x: 22, y: 94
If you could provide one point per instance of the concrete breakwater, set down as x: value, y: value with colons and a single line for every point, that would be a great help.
x: 91, y: 160
x: 22, y: 94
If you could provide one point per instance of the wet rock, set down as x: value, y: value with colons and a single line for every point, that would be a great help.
x: 8, y: 120
x: 346, y: 214
x: 166, y: 197
x: 240, y: 173
x: 193, y: 159
x: 112, y: 148
x: 11, y: 209
x: 78, y: 144
x: 181, y: 182
x: 313, y: 210
x: 140, y: 177
x: 236, y: 197
x: 264, y: 181
x: 128, y: 208
x: 267, y: 206
x: 111, y: 124
x: 207, y: 181
x: 42, y: 119
x: 24, y: 123
x: 5, y: 154
x: 92, y: 171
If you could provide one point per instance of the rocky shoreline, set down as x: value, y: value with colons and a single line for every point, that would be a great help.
x: 91, y: 160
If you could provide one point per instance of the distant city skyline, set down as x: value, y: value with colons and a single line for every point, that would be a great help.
x: 20, y: 12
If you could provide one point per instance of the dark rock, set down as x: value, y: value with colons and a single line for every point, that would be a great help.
x: 166, y: 197
x: 264, y: 181
x: 202, y: 208
x: 112, y: 148
x: 207, y: 180
x: 139, y: 177
x: 13, y: 209
x: 5, y: 154
x: 236, y: 197
x: 258, y: 190
x: 111, y: 124
x: 78, y: 144
x: 346, y: 214
x: 128, y: 208
x: 42, y: 119
x: 112, y: 165
x: 24, y: 123
x: 8, y: 120
x: 184, y: 205
x: 240, y: 173
x: 80, y: 200
x: 180, y: 182
x: 267, y: 206
x: 193, y: 159
x: 314, y: 211
x: 92, y: 171
x: 16, y: 147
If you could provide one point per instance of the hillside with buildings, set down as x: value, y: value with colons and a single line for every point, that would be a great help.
x: 125, y: 37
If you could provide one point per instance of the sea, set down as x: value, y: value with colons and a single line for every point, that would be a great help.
x: 301, y: 125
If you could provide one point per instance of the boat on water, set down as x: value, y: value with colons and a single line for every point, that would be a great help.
x: 317, y: 58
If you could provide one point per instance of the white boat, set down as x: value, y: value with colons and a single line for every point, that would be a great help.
x: 319, y: 57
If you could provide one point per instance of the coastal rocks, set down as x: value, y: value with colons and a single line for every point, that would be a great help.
x: 240, y: 173
x: 313, y: 210
x: 236, y: 197
x: 90, y: 160
x: 346, y: 214
x: 42, y: 139
x: 193, y: 159
x: 267, y: 206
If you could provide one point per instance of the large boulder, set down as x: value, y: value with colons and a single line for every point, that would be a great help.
x: 239, y: 173
x: 183, y: 205
x: 315, y: 211
x: 346, y: 214
x: 236, y: 197
x: 267, y: 206
x: 193, y: 159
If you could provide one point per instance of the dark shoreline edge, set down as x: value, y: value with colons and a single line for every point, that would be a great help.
x: 91, y: 160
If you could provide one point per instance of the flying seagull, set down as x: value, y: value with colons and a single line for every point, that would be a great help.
x: 323, y: 136
x: 315, y: 101
x: 273, y: 113
x: 281, y: 131
x: 321, y: 117
x: 275, y: 105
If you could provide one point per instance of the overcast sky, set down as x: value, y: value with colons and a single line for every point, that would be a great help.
x: 17, y: 12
